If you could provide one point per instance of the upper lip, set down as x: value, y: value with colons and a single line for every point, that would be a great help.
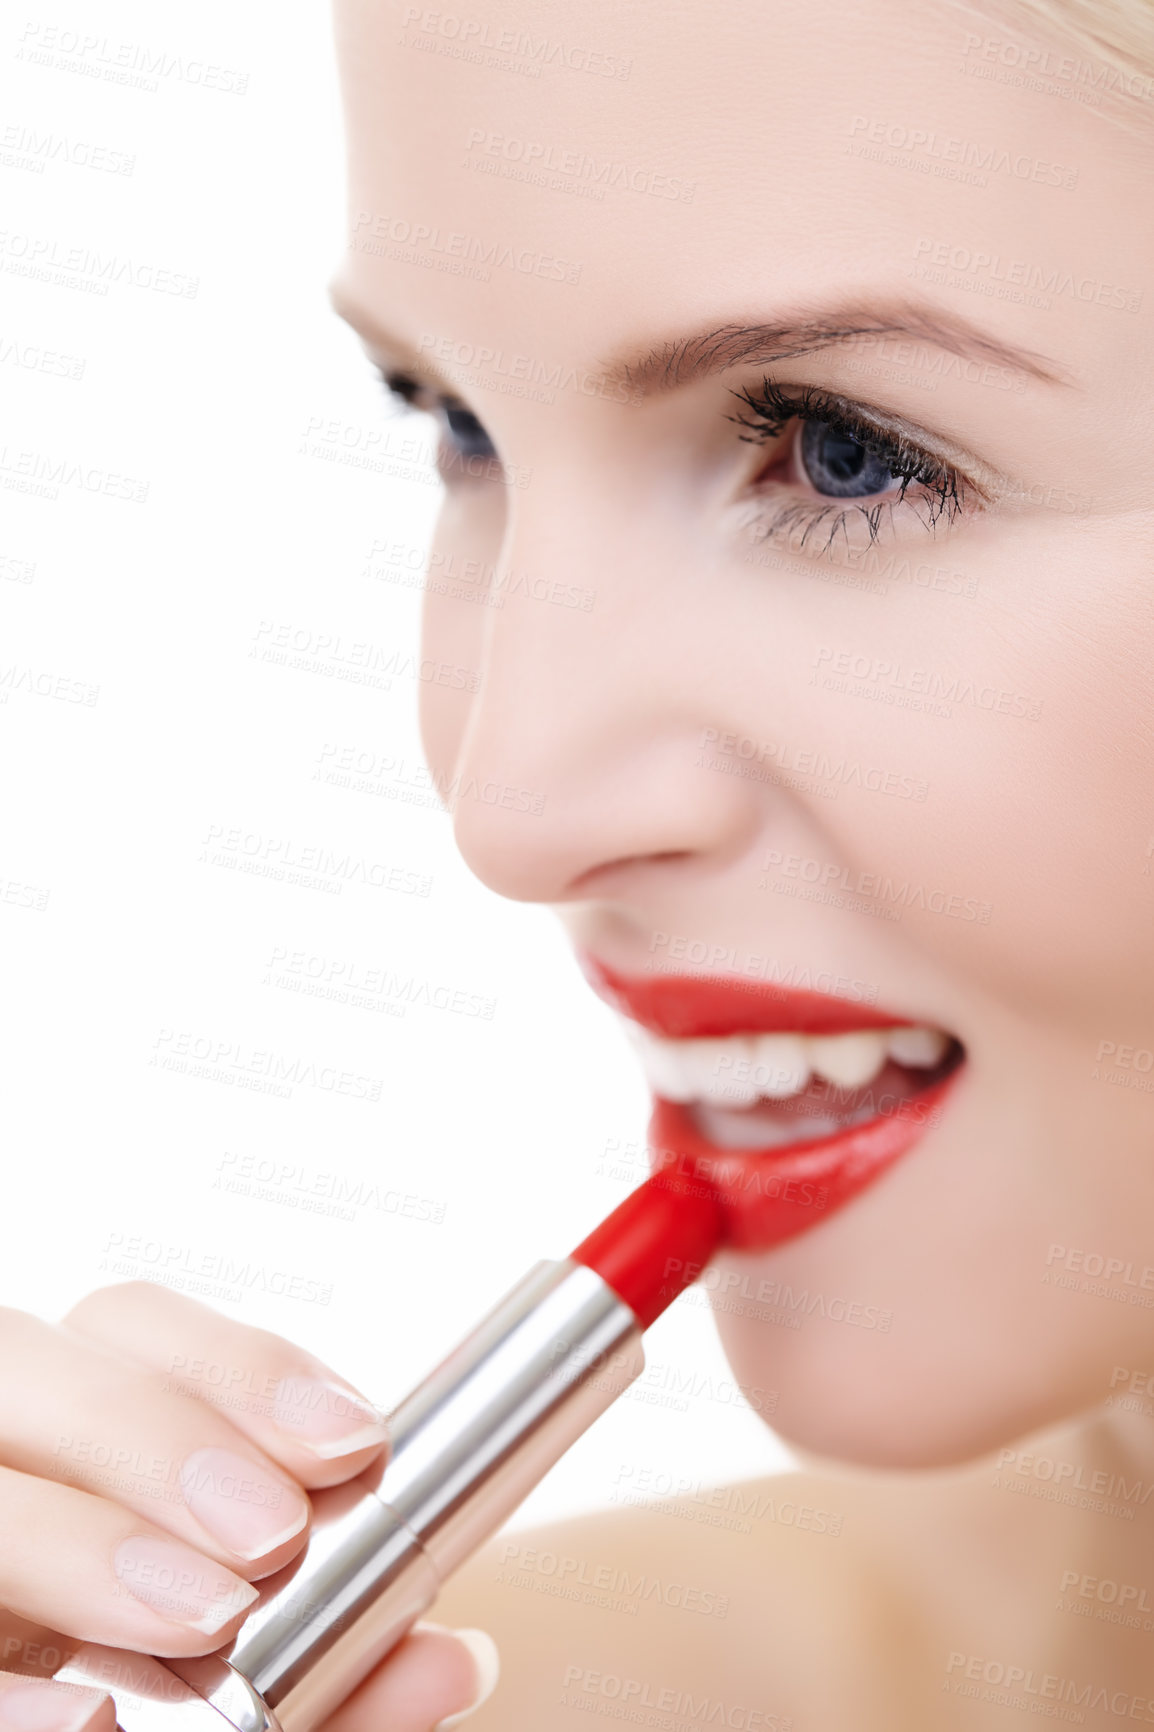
x: 698, y: 1006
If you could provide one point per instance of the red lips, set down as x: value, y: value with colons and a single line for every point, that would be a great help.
x: 769, y: 1195
x: 689, y: 1006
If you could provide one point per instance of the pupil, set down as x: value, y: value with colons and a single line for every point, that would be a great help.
x: 468, y: 434
x: 838, y: 465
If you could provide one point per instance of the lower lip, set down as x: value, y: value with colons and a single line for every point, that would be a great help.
x: 768, y: 1197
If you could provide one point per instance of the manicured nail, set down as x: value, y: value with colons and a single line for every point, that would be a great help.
x: 179, y: 1583
x: 488, y: 1663
x: 326, y: 1418
x: 48, y: 1708
x: 247, y: 1509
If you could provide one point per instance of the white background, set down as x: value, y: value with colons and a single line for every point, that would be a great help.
x: 130, y: 933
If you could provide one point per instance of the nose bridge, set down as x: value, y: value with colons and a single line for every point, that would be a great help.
x: 579, y: 748
x: 546, y: 665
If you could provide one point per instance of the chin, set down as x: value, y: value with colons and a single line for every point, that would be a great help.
x: 860, y: 1398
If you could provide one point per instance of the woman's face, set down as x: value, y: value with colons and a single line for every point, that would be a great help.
x: 847, y: 682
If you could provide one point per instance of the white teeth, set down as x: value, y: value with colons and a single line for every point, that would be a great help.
x: 659, y: 1061
x: 708, y: 1066
x: 737, y: 1070
x: 781, y: 1064
x: 848, y: 1060
x: 922, y: 1047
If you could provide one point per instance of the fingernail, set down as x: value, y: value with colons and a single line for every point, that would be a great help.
x: 488, y: 1663
x: 179, y: 1583
x: 48, y: 1707
x: 326, y: 1418
x: 246, y: 1509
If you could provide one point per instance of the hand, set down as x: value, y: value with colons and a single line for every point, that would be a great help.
x: 156, y: 1460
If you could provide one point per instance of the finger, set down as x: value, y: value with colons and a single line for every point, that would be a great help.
x: 433, y: 1680
x: 34, y: 1705
x: 287, y: 1402
x: 73, y: 1412
x: 32, y: 1649
x: 92, y: 1569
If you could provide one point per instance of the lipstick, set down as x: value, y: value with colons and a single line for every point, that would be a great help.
x: 466, y: 1447
x: 787, y: 1186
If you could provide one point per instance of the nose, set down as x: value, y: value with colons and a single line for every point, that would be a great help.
x: 581, y: 761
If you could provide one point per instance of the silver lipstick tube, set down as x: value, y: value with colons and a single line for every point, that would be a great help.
x: 466, y: 1447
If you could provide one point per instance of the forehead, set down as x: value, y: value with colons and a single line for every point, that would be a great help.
x: 572, y: 177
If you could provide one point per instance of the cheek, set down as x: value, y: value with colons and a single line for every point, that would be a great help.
x: 460, y: 595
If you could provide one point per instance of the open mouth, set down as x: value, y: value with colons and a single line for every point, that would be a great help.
x: 786, y: 1103
x: 782, y: 1162
x: 773, y: 1091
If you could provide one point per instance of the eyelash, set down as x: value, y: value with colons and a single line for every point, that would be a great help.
x: 410, y: 394
x: 767, y: 410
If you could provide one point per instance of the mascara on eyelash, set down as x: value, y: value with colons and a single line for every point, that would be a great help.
x: 773, y: 407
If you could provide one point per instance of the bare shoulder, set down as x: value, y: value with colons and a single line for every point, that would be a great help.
x: 759, y: 1606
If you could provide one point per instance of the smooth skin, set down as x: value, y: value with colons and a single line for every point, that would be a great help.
x: 854, y: 167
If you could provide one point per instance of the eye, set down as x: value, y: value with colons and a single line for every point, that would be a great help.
x: 462, y: 432
x: 839, y: 465
x: 466, y: 432
x: 821, y: 445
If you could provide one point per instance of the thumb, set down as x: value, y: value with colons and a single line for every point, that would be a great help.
x: 431, y: 1681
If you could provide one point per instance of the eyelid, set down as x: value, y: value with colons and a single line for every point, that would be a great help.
x: 987, y: 482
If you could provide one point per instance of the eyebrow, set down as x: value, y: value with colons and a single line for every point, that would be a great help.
x: 672, y: 364
x: 669, y: 365
x: 401, y: 355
